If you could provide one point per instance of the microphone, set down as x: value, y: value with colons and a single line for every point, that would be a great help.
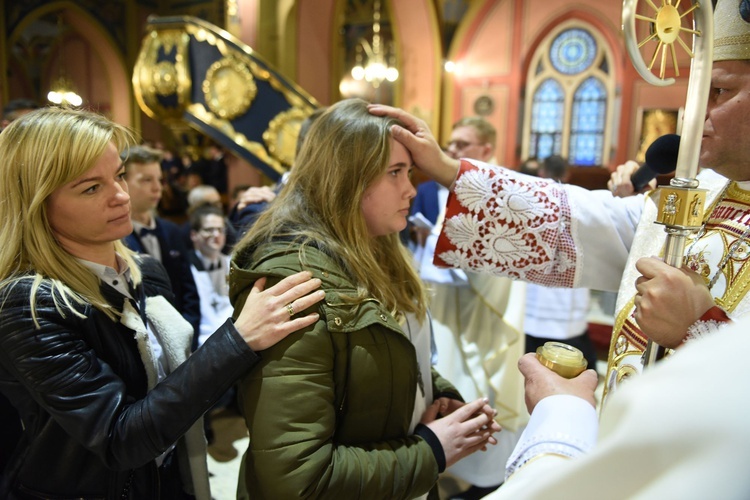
x: 661, y: 158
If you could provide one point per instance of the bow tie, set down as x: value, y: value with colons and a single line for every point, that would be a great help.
x: 145, y: 231
x: 214, y: 266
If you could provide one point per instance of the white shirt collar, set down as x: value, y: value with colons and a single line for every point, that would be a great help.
x: 137, y: 225
x: 109, y: 275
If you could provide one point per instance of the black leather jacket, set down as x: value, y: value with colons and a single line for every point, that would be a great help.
x: 92, y: 429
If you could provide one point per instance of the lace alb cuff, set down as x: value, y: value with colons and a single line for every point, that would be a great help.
x: 712, y: 320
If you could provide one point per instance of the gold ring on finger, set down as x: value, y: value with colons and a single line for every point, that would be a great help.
x: 290, y: 309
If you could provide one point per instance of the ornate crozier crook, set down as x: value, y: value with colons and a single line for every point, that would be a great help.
x: 681, y: 203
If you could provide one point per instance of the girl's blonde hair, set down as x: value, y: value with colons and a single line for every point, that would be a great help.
x: 40, y: 152
x: 345, y: 151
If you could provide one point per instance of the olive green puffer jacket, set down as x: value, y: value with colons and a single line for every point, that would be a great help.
x: 328, y: 408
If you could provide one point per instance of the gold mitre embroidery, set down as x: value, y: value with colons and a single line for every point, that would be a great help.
x: 732, y: 30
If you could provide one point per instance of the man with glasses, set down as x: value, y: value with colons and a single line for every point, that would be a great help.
x: 472, y: 137
x: 210, y: 267
x: 201, y: 196
x: 476, y: 320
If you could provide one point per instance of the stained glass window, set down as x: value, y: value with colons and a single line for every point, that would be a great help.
x: 573, y: 51
x: 570, y: 88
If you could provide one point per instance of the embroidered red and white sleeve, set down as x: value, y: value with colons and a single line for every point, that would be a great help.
x: 507, y: 224
x: 711, y: 321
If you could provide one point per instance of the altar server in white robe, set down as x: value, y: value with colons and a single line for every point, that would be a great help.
x: 210, y: 268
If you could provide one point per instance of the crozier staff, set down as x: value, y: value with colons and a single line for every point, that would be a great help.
x: 91, y: 353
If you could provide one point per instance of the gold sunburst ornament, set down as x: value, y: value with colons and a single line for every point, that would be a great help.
x: 665, y: 23
x: 666, y: 27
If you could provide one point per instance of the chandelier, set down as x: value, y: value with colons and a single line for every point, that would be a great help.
x: 380, y: 60
x: 62, y: 92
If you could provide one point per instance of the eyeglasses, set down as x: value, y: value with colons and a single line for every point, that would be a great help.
x: 210, y: 231
x: 461, y: 145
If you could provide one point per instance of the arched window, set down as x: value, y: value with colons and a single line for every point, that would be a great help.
x: 570, y: 95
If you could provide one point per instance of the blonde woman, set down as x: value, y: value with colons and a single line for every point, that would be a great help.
x: 92, y: 355
x: 353, y: 399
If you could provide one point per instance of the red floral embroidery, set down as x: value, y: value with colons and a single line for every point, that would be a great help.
x: 508, y: 224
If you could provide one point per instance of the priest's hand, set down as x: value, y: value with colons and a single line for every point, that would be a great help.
x: 541, y: 382
x: 424, y: 149
x: 668, y: 300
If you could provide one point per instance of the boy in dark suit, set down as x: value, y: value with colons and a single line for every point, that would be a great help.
x: 155, y: 236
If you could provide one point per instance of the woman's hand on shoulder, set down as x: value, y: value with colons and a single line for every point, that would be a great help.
x: 268, y: 316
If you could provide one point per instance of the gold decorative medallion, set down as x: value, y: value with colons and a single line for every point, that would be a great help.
x: 161, y: 71
x: 281, y: 135
x: 229, y: 87
x: 165, y: 78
